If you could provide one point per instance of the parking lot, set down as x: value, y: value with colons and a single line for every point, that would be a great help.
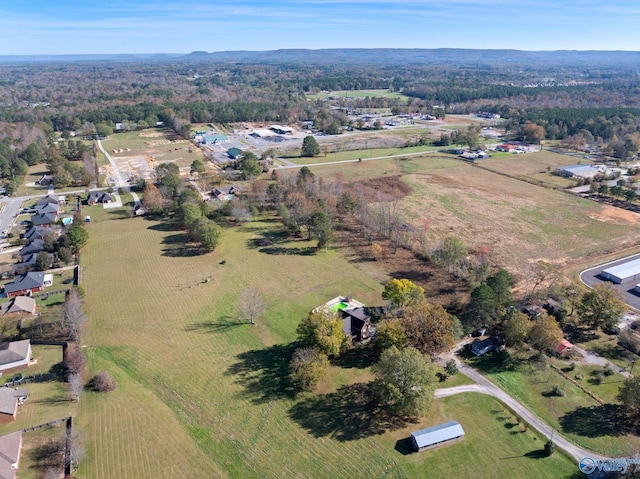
x: 591, y: 277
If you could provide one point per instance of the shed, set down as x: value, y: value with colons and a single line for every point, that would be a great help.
x: 436, y: 436
x: 624, y: 272
x: 564, y: 347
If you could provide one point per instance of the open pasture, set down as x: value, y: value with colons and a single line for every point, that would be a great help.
x: 193, y: 377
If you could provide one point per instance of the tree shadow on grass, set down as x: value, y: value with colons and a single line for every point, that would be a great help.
x: 536, y: 454
x: 162, y: 225
x: 348, y: 414
x: 177, y: 246
x: 596, y: 421
x: 53, y: 400
x: 362, y: 355
x: 280, y: 250
x: 264, y: 373
x: 225, y: 323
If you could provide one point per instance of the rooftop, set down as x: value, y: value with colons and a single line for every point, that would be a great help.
x: 436, y: 434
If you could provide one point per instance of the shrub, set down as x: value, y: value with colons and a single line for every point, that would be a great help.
x: 608, y: 371
x: 572, y: 366
x: 558, y: 391
x: 103, y: 382
x: 549, y: 447
x: 598, y: 378
x: 579, y: 376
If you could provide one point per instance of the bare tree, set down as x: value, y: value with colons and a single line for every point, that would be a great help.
x: 73, y: 314
x: 251, y: 306
x: 103, y: 382
x: 76, y: 386
x: 74, y: 360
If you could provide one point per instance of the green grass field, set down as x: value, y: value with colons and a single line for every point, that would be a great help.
x: 577, y: 416
x: 356, y: 154
x: 202, y: 395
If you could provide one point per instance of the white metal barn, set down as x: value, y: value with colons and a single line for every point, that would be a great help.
x: 437, y: 435
x: 623, y: 272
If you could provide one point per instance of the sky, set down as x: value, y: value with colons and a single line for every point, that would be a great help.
x: 46, y: 27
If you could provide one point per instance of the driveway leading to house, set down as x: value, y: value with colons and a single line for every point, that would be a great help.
x: 484, y: 386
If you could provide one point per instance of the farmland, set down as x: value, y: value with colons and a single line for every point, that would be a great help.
x: 192, y: 377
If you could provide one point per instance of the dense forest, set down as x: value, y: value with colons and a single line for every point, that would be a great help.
x: 591, y: 96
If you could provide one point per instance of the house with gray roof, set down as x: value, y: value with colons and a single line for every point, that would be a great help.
x: 38, y: 232
x: 18, y: 305
x: 44, y: 219
x: 31, y: 282
x: 15, y: 355
x: 437, y: 436
x: 10, y: 399
x: 10, y: 448
x: 33, y: 247
x: 99, y: 197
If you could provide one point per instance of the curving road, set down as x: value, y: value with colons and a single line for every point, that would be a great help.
x: 484, y: 386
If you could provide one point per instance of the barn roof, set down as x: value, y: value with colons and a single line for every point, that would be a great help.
x: 436, y: 434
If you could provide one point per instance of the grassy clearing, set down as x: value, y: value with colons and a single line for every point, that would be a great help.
x: 606, y: 346
x: 537, y: 167
x: 580, y: 418
x: 359, y: 154
x: 517, y: 220
x: 191, y: 376
x: 495, y: 440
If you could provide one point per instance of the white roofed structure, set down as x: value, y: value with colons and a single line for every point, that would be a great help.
x: 436, y: 435
x: 624, y: 272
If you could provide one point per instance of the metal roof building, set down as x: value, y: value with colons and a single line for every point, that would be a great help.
x: 623, y: 272
x: 582, y: 171
x: 436, y: 435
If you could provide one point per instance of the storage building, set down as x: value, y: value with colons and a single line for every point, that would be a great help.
x: 624, y: 272
x: 437, y: 435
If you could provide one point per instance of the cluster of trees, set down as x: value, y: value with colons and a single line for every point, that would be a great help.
x: 66, y: 172
x: 413, y: 329
x: 191, y: 213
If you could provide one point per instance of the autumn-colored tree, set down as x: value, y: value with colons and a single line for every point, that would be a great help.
x: 516, y: 329
x: 376, y: 251
x: 428, y: 328
x: 405, y: 382
x: 390, y: 332
x: 153, y: 201
x: 403, y: 292
x: 308, y: 366
x: 545, y: 334
x: 601, y: 307
x: 323, y: 330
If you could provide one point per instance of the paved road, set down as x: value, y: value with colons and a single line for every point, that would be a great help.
x: 590, y: 277
x: 484, y: 386
x: 121, y: 181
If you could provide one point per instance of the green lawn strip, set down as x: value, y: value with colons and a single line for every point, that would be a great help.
x: 360, y: 154
x: 35, y: 457
x: 577, y: 416
x: 129, y: 432
x: 495, y: 440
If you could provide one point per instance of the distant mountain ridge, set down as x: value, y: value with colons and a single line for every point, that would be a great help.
x: 361, y: 56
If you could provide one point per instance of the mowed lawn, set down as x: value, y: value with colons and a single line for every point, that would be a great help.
x: 202, y: 395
